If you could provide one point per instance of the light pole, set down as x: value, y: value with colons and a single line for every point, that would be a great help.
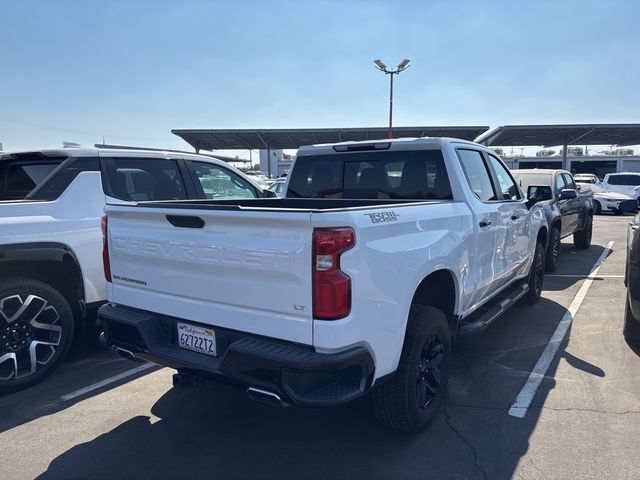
x: 403, y: 65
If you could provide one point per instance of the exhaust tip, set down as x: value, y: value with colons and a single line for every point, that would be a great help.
x: 184, y: 380
x: 266, y: 396
x: 127, y: 354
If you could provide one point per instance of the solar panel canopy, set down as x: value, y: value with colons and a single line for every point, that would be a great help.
x: 232, y: 139
x: 553, y: 135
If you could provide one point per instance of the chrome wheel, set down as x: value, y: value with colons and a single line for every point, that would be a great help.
x: 30, y: 334
x: 430, y: 370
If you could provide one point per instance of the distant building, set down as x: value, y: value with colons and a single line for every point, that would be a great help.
x: 600, y: 163
x: 546, y: 153
x: 274, y: 163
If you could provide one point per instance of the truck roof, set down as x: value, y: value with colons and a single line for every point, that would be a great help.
x: 543, y: 171
x: 399, y: 143
x: 110, y: 152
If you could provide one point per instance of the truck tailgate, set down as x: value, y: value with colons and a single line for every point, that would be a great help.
x: 243, y: 270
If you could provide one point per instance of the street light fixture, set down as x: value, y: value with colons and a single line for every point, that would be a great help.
x: 403, y: 65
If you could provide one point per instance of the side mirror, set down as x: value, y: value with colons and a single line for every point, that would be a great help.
x: 578, y: 188
x: 568, y: 194
x: 266, y: 193
x: 539, y: 193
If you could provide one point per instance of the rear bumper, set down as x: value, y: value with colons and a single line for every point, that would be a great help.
x: 295, y: 372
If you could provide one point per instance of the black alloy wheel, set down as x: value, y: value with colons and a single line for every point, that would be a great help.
x: 430, y: 370
x: 553, y: 250
x: 415, y: 394
x: 582, y: 238
x: 536, y: 275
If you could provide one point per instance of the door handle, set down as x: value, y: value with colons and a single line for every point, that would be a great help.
x: 185, y: 221
x: 515, y: 217
x: 485, y: 222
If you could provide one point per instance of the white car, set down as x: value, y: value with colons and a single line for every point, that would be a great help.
x: 361, y: 278
x: 586, y: 178
x: 51, y: 268
x: 606, y: 201
x: 627, y: 183
x: 277, y: 187
x: 258, y: 177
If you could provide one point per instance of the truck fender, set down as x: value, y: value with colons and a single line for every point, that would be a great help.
x: 50, y: 262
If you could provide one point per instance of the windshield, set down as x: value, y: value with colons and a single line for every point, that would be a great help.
x: 593, y: 188
x: 382, y: 175
x: 525, y: 180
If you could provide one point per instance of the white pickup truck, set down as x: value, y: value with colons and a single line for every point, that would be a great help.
x: 360, y: 279
x: 51, y: 268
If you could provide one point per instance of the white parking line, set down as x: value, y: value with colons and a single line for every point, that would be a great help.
x: 106, y: 381
x: 525, y: 397
x: 591, y: 275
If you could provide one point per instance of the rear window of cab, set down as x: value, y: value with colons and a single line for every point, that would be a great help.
x: 402, y: 174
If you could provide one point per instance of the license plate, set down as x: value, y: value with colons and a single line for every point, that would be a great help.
x: 197, y: 339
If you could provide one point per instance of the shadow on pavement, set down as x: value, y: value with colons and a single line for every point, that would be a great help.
x: 87, y: 363
x: 216, y: 430
x: 583, y: 365
x: 576, y: 263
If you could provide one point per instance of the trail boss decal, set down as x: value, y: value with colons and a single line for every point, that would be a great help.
x: 383, y: 217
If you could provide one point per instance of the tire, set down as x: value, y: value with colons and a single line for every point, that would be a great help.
x: 415, y: 394
x: 597, y: 207
x: 582, y: 238
x: 536, y: 276
x: 631, y: 330
x: 552, y: 256
x: 43, y: 331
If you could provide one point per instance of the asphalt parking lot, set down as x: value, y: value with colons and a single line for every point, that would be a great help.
x: 583, y: 420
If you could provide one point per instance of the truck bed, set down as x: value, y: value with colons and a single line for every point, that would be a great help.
x: 284, y: 204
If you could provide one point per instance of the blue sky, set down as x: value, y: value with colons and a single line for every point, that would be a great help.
x: 133, y: 70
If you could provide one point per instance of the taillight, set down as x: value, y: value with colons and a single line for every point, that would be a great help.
x: 331, y: 286
x: 105, y: 249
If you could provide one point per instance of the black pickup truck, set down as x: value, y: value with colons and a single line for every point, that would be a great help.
x: 569, y: 211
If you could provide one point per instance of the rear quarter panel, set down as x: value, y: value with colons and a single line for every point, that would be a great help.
x: 73, y: 220
x: 390, y: 259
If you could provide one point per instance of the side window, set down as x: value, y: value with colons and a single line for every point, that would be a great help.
x: 630, y: 180
x: 614, y: 180
x: 19, y: 178
x: 560, y: 185
x: 569, y: 181
x: 143, y: 179
x: 60, y: 179
x: 219, y: 183
x: 477, y: 174
x: 508, y: 188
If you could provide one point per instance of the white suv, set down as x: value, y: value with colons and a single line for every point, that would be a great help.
x: 50, y: 242
x: 627, y: 183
